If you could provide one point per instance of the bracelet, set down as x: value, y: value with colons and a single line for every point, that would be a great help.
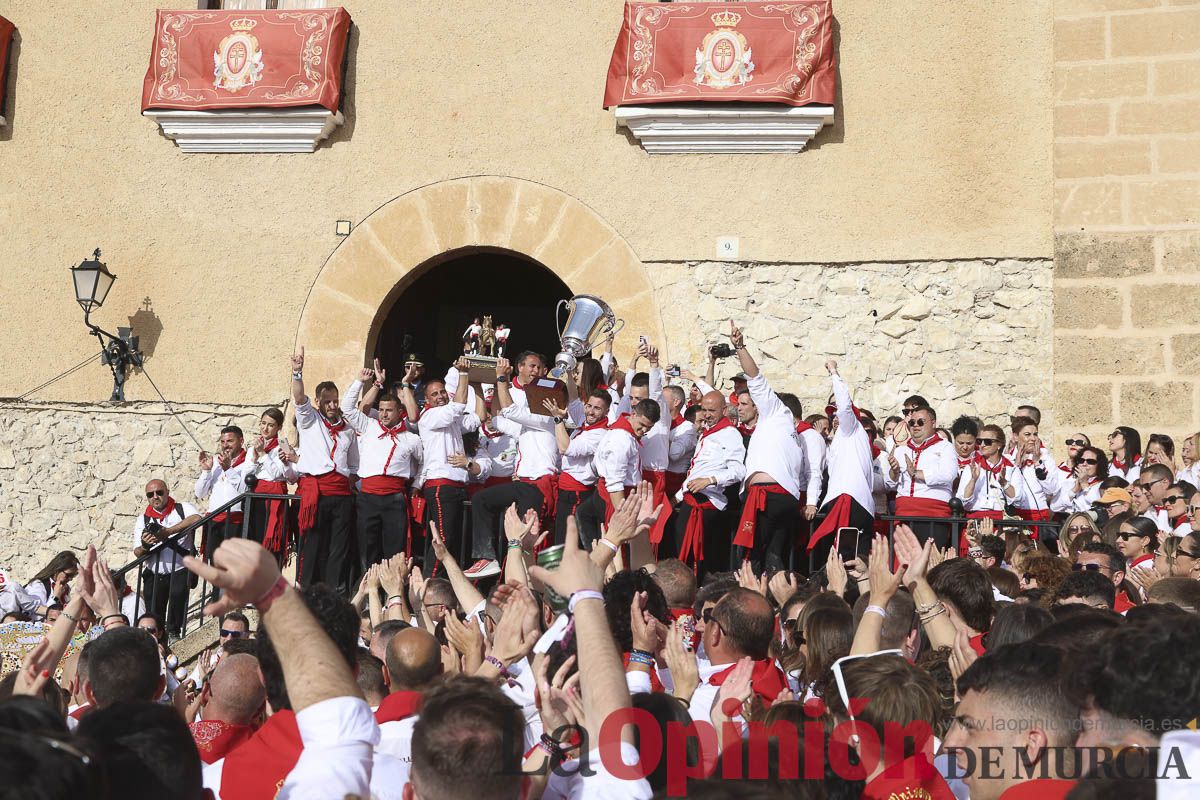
x: 552, y: 748
x: 297, y: 376
x: 378, y: 385
x: 641, y: 657
x: 876, y: 610
x: 933, y: 615
x: 278, y: 588
x: 643, y: 653
x: 581, y: 595
x: 69, y: 615
x: 927, y: 608
x: 616, y: 548
x: 394, y: 600
x: 107, y: 617
x: 497, y: 663
x: 514, y: 544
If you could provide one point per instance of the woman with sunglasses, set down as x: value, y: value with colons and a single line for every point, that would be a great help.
x: 1036, y: 476
x: 1125, y: 445
x: 1187, y: 552
x: 1078, y: 530
x: 1137, y: 540
x: 985, y: 486
x: 1075, y: 442
x: 1089, y: 467
x: 51, y: 585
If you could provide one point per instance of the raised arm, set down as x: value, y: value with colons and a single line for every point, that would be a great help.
x: 357, y: 418
x: 298, y: 395
x: 460, y: 391
x: 562, y: 436
x: 764, y: 397
x: 847, y: 420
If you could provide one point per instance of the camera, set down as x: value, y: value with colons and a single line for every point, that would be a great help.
x: 1098, y: 514
x: 154, y: 528
x: 721, y: 350
x: 673, y: 371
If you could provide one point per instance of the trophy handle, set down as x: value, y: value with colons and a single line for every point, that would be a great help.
x: 616, y: 328
x: 557, y: 310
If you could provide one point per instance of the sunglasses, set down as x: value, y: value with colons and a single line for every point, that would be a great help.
x: 1115, y: 435
x: 1078, y: 529
x: 1092, y: 461
x: 156, y: 493
x: 916, y: 423
x: 789, y: 624
x: 1147, y: 484
x: 1193, y: 509
x: 1179, y: 551
x: 151, y: 631
x: 1075, y: 443
x: 1172, y: 499
x: 232, y: 634
x: 907, y: 411
x: 987, y: 442
x: 1087, y: 568
x: 1127, y: 534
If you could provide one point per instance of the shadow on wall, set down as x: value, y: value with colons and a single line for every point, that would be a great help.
x: 146, y: 325
x: 8, y: 92
x: 835, y: 133
x: 345, y: 131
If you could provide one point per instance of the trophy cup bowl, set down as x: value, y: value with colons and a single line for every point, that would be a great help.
x: 589, y: 319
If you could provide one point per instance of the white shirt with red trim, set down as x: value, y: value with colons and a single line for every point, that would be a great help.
x: 656, y: 443
x: 775, y: 449
x: 578, y: 460
x: 988, y: 493
x: 499, y: 439
x: 852, y: 468
x: 218, y: 486
x: 441, y: 431
x: 537, y: 449
x: 937, y: 463
x: 321, y: 450
x: 721, y: 455
x: 396, y: 454
x: 618, y: 459
x: 1034, y: 493
x: 167, y: 560
x: 815, y: 452
x: 683, y: 447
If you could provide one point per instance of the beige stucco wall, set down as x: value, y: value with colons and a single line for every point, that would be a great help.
x: 1127, y: 221
x: 942, y: 151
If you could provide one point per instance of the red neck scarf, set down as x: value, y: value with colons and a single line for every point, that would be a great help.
x: 966, y: 462
x: 676, y: 421
x: 216, y: 739
x: 597, y: 425
x: 270, y: 444
x: 333, y: 430
x: 803, y: 426
x: 768, y: 679
x: 721, y: 425
x: 238, y: 459
x: 1119, y: 464
x: 923, y: 446
x: 622, y: 424
x: 161, y: 515
x: 489, y: 433
x: 1065, y: 467
x: 393, y: 431
x: 397, y: 706
x: 745, y: 430
x: 986, y: 467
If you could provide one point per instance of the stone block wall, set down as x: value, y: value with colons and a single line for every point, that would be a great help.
x: 1127, y: 223
x: 971, y: 336
x: 71, y: 475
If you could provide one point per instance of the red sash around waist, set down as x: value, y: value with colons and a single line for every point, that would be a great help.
x: 384, y: 484
x: 675, y: 482
x: 756, y: 501
x: 838, y: 517
x: 436, y: 483
x: 548, y: 486
x: 273, y: 536
x: 569, y: 483
x: 693, y: 533
x: 608, y: 503
x: 232, y: 517
x: 312, y: 488
x: 921, y: 507
x: 658, y: 482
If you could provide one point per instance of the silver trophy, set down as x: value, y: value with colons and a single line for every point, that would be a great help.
x: 589, y: 319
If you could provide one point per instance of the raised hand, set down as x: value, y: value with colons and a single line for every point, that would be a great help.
x: 298, y: 360
x: 206, y: 460
x: 34, y: 673
x: 438, y: 542
x: 962, y: 655
x: 467, y: 639
x: 835, y: 572
x: 831, y: 366
x: 747, y: 580
x: 515, y: 528
x: 884, y: 584
x: 554, y: 408
x: 647, y: 631
x: 552, y: 695
x: 736, y: 691
x: 366, y: 375
x: 782, y: 586
x: 242, y: 569
x: 411, y: 370
x: 515, y: 636
x: 910, y: 551
x: 380, y: 373
x: 685, y: 671
x: 735, y: 335
x: 503, y: 368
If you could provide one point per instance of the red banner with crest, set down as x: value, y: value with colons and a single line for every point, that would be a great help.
x: 247, y: 59
x: 6, y: 35
x: 769, y: 52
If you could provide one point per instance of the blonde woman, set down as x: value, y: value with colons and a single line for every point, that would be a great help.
x: 1189, y: 466
x: 1078, y: 530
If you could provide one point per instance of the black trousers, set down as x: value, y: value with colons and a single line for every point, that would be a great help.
x: 166, y: 596
x: 444, y: 508
x: 859, y: 518
x: 568, y: 505
x: 718, y: 545
x: 938, y: 531
x: 775, y: 532
x: 382, y: 527
x: 325, y: 550
x: 590, y: 516
x: 487, y: 514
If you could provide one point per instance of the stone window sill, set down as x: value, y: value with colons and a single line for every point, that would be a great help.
x: 671, y: 128
x: 264, y: 130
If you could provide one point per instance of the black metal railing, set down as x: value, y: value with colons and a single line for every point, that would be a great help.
x: 177, y: 596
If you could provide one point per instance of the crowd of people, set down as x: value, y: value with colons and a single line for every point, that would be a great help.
x: 617, y: 585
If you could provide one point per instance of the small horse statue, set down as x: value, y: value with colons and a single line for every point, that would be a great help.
x: 487, y: 338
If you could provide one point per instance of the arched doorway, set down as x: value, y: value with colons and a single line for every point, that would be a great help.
x: 431, y: 312
x: 352, y: 296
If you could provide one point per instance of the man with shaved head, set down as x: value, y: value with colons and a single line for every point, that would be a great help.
x: 164, y: 578
x: 413, y: 663
x: 701, y: 530
x: 233, y: 700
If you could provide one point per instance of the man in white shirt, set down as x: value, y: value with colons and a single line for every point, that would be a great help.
x: 223, y: 478
x: 1156, y: 480
x: 326, y: 504
x: 164, y: 577
x: 683, y: 441
x: 852, y: 453
x: 535, y: 479
x: 389, y: 455
x: 577, y: 480
x: 701, y: 530
x: 617, y: 461
x: 444, y: 474
x: 774, y: 463
x: 922, y: 473
x: 413, y: 664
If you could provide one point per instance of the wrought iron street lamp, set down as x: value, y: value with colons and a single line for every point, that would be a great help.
x: 92, y: 284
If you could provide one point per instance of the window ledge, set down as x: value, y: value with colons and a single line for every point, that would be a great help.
x: 665, y: 129
x: 263, y: 130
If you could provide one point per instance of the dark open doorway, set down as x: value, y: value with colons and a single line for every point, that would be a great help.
x: 439, y: 305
